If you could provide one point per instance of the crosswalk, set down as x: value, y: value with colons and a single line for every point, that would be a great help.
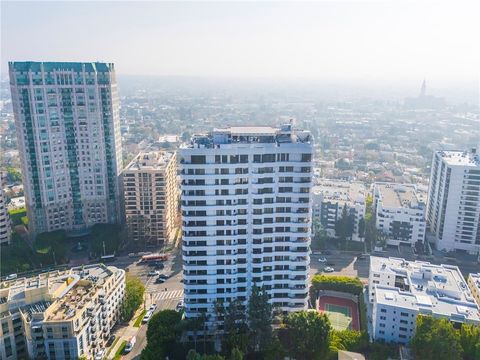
x: 167, y: 295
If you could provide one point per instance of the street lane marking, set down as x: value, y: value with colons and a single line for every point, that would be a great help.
x: 166, y: 295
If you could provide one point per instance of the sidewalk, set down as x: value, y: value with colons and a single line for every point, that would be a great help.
x: 124, y: 333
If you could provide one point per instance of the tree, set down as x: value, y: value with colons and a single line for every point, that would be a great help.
x: 470, y: 341
x: 306, y: 335
x: 13, y: 175
x: 320, y: 234
x: 134, y: 291
x: 162, y: 334
x: 337, y: 283
x: 235, y: 327
x: 436, y: 339
x: 236, y: 354
x: 361, y: 228
x: 50, y: 247
x: 259, y: 316
x: 350, y: 340
x: 344, y: 227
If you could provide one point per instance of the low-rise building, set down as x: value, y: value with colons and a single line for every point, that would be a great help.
x: 151, y: 197
x: 329, y: 198
x: 399, y: 291
x: 474, y: 285
x: 400, y: 213
x: 60, y: 315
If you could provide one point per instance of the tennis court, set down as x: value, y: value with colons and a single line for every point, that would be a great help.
x: 343, y: 313
x: 340, y: 316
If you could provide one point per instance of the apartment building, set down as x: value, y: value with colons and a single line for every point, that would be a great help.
x: 68, y: 132
x: 474, y: 285
x: 453, y: 212
x: 151, y: 197
x: 61, y: 314
x: 330, y: 197
x: 400, y: 212
x: 399, y: 291
x: 5, y: 227
x: 246, y: 208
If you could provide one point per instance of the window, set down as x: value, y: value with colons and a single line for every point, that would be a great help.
x: 198, y: 159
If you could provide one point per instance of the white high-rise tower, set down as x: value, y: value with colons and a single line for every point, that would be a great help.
x: 246, y: 208
x: 453, y: 212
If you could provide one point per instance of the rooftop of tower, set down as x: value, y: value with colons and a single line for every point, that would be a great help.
x: 250, y: 135
x: 460, y: 158
x: 48, y: 66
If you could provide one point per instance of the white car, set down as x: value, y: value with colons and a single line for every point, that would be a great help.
x: 328, y: 269
x: 152, y: 307
x: 154, y: 273
x: 179, y: 306
x: 100, y: 354
x: 130, y: 344
x: 147, y: 316
x: 322, y: 260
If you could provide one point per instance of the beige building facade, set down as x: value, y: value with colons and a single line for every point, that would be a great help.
x: 60, y: 315
x: 151, y: 197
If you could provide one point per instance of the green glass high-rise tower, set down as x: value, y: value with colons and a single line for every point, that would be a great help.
x: 68, y: 131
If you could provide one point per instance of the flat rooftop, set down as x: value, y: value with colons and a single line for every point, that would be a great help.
x: 152, y: 160
x: 341, y: 192
x: 398, y: 195
x: 460, y: 158
x: 476, y: 280
x: 249, y: 135
x: 66, y: 290
x: 434, y: 289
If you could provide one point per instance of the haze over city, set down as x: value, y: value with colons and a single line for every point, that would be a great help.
x: 240, y: 180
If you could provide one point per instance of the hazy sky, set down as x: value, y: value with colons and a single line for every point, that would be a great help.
x: 346, y: 40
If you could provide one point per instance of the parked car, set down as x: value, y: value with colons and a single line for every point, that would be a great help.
x: 179, y: 306
x: 147, y: 317
x: 153, y: 273
x: 163, y: 276
x: 159, y: 280
x: 99, y: 355
x: 322, y: 260
x: 328, y: 269
x: 110, y: 340
x: 152, y: 307
x: 130, y: 344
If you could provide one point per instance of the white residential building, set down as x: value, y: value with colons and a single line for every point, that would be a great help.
x: 151, y: 197
x: 246, y: 207
x: 329, y: 198
x: 400, y: 212
x: 61, y: 314
x: 399, y: 291
x: 68, y: 132
x: 5, y: 226
x: 453, y: 212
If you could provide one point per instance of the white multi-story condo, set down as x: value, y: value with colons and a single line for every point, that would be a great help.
x: 60, y: 315
x: 5, y: 229
x: 329, y: 198
x: 151, y: 197
x: 399, y: 291
x: 246, y: 207
x: 400, y: 212
x: 474, y: 285
x: 453, y: 212
x: 68, y: 131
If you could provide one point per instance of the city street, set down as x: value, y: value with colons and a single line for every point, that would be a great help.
x: 166, y: 295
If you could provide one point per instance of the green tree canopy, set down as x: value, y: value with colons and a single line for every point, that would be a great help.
x: 259, y: 316
x: 337, y: 283
x: 134, y: 291
x: 436, y: 339
x: 162, y: 335
x: 306, y: 335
